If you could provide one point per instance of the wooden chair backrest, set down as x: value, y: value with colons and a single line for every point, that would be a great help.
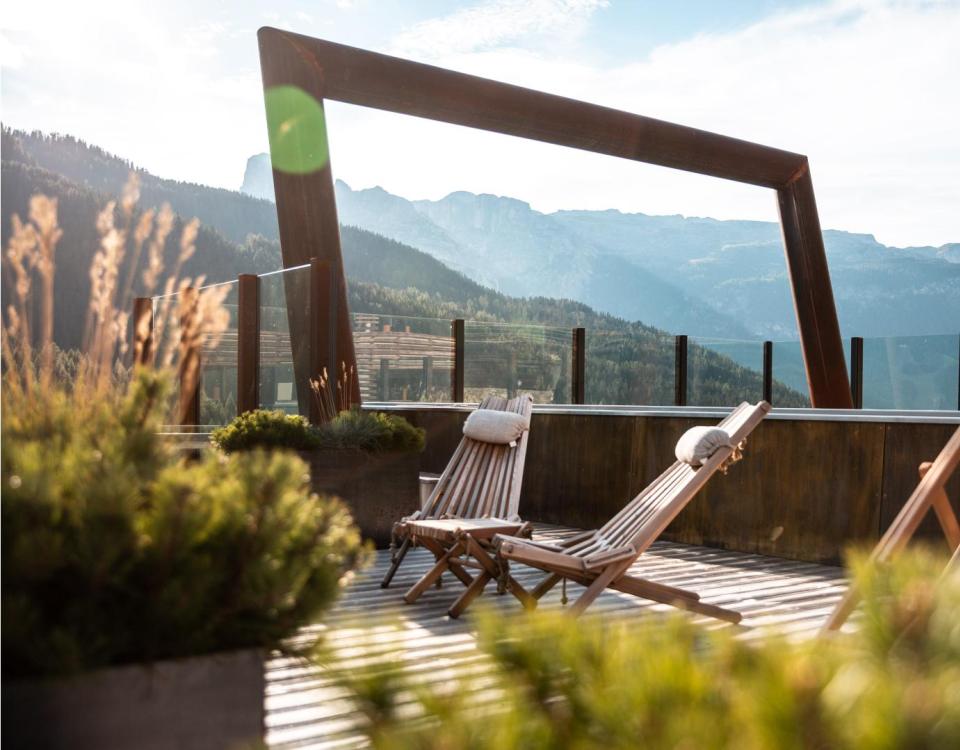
x: 645, y: 517
x: 483, y: 480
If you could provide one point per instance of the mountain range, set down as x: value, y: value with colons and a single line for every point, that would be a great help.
x: 627, y: 361
x: 699, y: 276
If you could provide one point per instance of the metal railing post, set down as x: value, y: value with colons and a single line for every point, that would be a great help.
x: 680, y: 372
x: 578, y: 370
x: 856, y: 371
x: 248, y: 342
x: 459, y: 337
x: 189, y: 402
x: 768, y: 372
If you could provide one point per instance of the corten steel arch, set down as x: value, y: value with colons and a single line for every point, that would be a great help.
x: 307, y: 210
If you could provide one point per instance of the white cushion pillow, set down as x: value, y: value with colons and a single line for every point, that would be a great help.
x: 697, y: 444
x: 492, y: 426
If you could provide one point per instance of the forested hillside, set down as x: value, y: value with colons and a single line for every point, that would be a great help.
x: 628, y: 362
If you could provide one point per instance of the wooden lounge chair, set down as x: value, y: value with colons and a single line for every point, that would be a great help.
x: 476, y: 497
x: 600, y: 559
x: 930, y: 493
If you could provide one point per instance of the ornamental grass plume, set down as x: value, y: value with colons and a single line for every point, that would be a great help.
x: 190, y: 317
x: 114, y: 548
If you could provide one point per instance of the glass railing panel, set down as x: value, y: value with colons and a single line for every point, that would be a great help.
x: 403, y: 358
x: 283, y: 294
x: 509, y: 359
x: 629, y: 367
x: 911, y: 372
x: 218, y: 365
x: 723, y: 372
x: 789, y: 375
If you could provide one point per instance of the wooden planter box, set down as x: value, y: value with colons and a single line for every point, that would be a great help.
x: 380, y: 488
x: 202, y: 703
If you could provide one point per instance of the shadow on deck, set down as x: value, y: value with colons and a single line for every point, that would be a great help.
x: 305, y: 708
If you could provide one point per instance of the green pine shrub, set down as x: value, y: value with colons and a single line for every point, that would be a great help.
x: 374, y: 432
x: 663, y: 682
x: 117, y: 551
x: 263, y: 428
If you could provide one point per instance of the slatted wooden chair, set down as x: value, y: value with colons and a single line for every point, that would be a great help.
x: 476, y: 497
x: 930, y: 493
x: 600, y: 559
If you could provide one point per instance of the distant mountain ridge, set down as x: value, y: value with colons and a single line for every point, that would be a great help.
x: 700, y: 276
x: 627, y: 362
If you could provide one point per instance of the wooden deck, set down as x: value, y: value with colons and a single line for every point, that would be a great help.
x: 305, y: 708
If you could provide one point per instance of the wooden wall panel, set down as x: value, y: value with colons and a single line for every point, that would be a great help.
x: 577, y: 469
x: 805, y: 490
x: 907, y: 446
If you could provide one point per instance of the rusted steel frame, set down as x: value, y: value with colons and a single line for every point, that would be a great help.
x: 306, y: 205
x: 370, y: 79
x: 307, y: 220
x: 813, y: 295
x: 248, y: 343
x: 325, y: 334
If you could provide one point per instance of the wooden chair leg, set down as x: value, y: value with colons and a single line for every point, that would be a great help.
x: 643, y: 587
x: 842, y: 611
x: 457, y: 569
x: 490, y: 570
x: 545, y: 585
x: 595, y: 589
x: 395, y: 563
x: 472, y: 592
x: 431, y: 575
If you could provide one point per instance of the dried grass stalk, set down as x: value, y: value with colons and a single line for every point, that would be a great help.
x: 198, y: 316
x: 332, y: 398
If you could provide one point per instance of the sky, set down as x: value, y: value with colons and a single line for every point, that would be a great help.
x: 869, y: 90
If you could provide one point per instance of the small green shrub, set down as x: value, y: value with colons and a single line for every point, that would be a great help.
x: 374, y: 432
x: 266, y: 429
x: 371, y: 431
x: 663, y: 682
x: 115, y: 551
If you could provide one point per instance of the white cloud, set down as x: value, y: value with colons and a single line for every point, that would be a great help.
x: 494, y: 23
x: 866, y: 89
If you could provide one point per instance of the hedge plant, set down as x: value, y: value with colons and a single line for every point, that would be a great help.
x: 371, y: 431
x: 117, y: 551
x: 356, y: 429
x: 262, y: 428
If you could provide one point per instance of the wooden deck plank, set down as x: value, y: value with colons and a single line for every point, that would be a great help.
x: 307, y: 707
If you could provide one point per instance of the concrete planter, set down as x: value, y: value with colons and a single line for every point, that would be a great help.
x: 380, y: 488
x: 202, y: 703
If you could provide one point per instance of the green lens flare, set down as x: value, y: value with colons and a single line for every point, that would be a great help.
x: 297, y: 129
